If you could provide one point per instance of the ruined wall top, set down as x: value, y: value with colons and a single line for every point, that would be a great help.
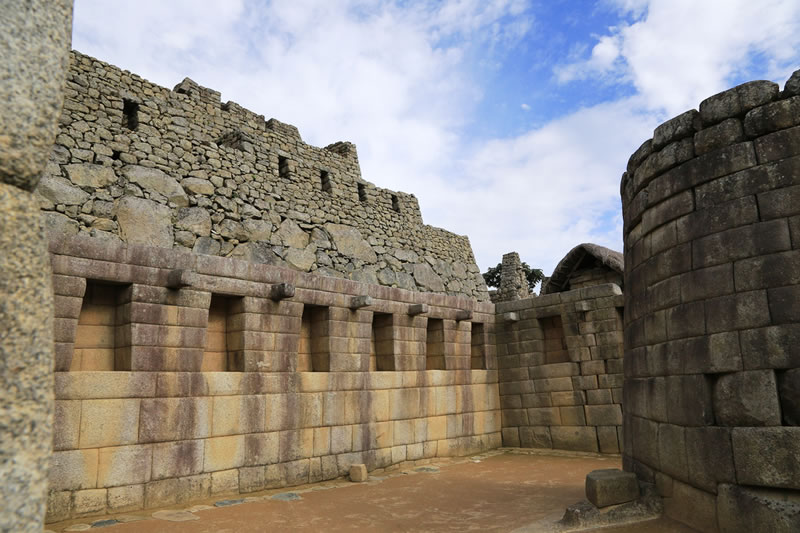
x: 139, y: 163
x: 513, y: 283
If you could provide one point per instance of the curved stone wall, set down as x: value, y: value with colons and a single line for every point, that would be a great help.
x: 712, y: 310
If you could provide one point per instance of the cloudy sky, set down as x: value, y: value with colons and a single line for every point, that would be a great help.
x: 511, y: 120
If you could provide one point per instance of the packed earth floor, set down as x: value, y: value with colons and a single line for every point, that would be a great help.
x: 503, y: 490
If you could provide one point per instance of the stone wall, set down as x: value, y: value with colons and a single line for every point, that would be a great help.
x: 559, y: 359
x: 316, y: 373
x: 138, y: 163
x: 712, y: 325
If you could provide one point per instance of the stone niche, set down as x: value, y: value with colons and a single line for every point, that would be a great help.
x: 711, y: 209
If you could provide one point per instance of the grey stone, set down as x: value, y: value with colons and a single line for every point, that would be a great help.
x: 58, y: 224
x: 350, y: 243
x: 144, y: 222
x: 427, y: 279
x: 291, y: 235
x: 611, y: 486
x: 152, y: 179
x: 300, y: 259
x: 194, y: 219
x: 61, y: 191
x: 750, y: 509
x: 257, y: 230
x: 675, y: 129
x: 206, y: 246
x: 95, y: 176
x: 789, y: 392
x: 198, y: 186
x: 767, y: 456
x: 258, y: 252
x: 747, y: 398
x: 230, y: 229
x: 792, y: 86
x: 358, y: 473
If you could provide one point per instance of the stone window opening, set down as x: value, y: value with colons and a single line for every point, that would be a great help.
x: 100, y: 343
x: 115, y: 155
x: 381, y: 354
x: 325, y: 181
x: 130, y: 112
x: 395, y: 203
x: 313, y: 352
x: 477, y: 347
x: 434, y: 345
x: 362, y: 193
x: 283, y: 167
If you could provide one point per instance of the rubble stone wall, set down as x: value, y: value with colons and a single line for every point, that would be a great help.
x: 712, y: 324
x: 146, y: 427
x: 138, y: 163
x: 559, y: 360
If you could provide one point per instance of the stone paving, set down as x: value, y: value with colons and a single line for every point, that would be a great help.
x: 507, y: 490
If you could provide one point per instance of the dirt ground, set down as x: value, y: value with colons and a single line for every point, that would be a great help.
x: 503, y: 492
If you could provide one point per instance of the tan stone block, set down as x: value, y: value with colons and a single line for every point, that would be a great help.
x: 315, y: 470
x: 59, y: 506
x: 296, y: 472
x: 74, y: 469
x: 66, y: 424
x: 403, y: 431
x: 358, y: 473
x: 296, y: 444
x: 398, y: 454
x: 233, y: 415
x: 177, y: 459
x: 169, y: 419
x: 225, y: 481
x: 89, y: 502
x: 415, y: 452
x: 273, y: 477
x: 89, y: 385
x: 109, y: 422
x: 124, y: 465
x: 420, y: 429
x: 261, y: 448
x: 322, y: 441
x: 403, y: 403
x: 276, y: 412
x: 379, y: 405
x: 126, y: 498
x: 333, y: 409
x: 251, y: 479
x: 223, y: 453
x: 329, y: 468
x: 341, y: 439
x: 223, y: 383
x: 176, y: 490
x: 437, y: 428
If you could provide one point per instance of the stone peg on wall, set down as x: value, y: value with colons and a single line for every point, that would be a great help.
x: 418, y: 309
x: 181, y: 278
x: 281, y: 291
x: 510, y: 317
x: 357, y: 302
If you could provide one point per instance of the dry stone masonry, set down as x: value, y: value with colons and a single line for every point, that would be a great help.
x: 559, y: 359
x: 712, y: 311
x: 137, y: 163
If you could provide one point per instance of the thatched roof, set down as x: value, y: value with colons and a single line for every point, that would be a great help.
x: 581, y: 256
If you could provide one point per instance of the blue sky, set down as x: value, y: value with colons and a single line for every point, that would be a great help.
x: 511, y: 120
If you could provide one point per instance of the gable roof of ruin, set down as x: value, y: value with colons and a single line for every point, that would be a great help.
x: 563, y: 271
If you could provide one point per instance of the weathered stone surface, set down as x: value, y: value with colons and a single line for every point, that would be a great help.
x: 611, y: 486
x: 349, y: 242
x: 95, y: 176
x: 426, y: 278
x: 749, y: 509
x: 778, y: 468
x: 60, y: 191
x: 157, y: 180
x: 747, y: 399
x: 257, y: 230
x: 300, y: 259
x: 789, y: 392
x: 194, y: 219
x: 144, y: 222
x: 58, y: 224
x: 198, y: 186
x: 290, y: 234
x: 358, y: 473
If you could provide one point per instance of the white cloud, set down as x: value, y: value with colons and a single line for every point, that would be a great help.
x: 396, y: 79
x: 678, y: 52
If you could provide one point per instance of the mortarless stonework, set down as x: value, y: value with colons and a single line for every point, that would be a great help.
x: 712, y: 324
x: 138, y: 163
x: 559, y: 360
x: 309, y: 384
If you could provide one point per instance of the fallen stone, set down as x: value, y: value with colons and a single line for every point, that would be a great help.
x: 611, y: 486
x: 287, y: 497
x: 228, y: 503
x: 358, y: 473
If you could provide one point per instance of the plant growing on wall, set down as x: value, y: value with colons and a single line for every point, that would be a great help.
x: 533, y: 275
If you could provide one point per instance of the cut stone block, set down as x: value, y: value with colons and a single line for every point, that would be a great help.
x: 611, y: 486
x: 746, y: 509
x: 358, y: 473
